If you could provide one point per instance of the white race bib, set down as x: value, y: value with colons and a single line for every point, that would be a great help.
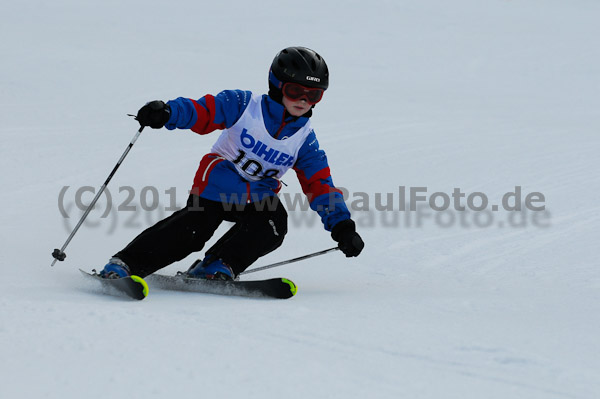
x: 254, y: 152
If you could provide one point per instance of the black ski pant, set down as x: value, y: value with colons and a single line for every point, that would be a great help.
x: 259, y: 229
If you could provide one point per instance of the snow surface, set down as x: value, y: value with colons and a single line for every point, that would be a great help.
x: 479, y: 95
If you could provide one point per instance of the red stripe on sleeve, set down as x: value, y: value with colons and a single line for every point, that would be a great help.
x: 204, y: 124
x: 313, y: 187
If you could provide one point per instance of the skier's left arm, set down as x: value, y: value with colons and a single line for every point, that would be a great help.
x: 314, y: 175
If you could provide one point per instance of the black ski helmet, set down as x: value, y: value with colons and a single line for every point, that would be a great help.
x: 299, y: 65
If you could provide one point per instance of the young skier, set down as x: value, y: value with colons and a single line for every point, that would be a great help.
x: 263, y: 136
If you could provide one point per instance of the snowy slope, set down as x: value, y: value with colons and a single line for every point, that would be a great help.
x: 477, y: 95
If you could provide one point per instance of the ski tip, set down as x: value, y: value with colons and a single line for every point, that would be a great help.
x: 141, y: 281
x: 293, y: 287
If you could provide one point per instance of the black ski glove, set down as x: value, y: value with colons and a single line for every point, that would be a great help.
x: 348, y: 239
x: 154, y: 114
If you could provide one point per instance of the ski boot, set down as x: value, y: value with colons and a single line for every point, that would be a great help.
x: 210, y: 269
x: 115, y: 268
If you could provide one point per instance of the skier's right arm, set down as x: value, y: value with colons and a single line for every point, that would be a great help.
x: 209, y: 113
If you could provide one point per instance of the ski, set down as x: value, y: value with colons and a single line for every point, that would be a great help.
x: 133, y: 286
x: 280, y: 288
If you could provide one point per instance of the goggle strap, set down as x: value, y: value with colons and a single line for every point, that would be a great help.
x: 278, y: 83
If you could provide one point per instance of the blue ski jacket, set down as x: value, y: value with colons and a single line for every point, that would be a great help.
x: 218, y: 180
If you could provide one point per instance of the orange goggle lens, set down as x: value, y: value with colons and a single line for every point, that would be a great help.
x: 295, y: 91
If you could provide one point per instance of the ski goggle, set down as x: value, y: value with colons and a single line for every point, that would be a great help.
x: 295, y: 92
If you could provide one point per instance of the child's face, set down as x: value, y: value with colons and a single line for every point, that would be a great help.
x: 296, y: 108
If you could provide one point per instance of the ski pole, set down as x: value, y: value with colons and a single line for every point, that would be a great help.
x: 59, y: 254
x: 285, y: 262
